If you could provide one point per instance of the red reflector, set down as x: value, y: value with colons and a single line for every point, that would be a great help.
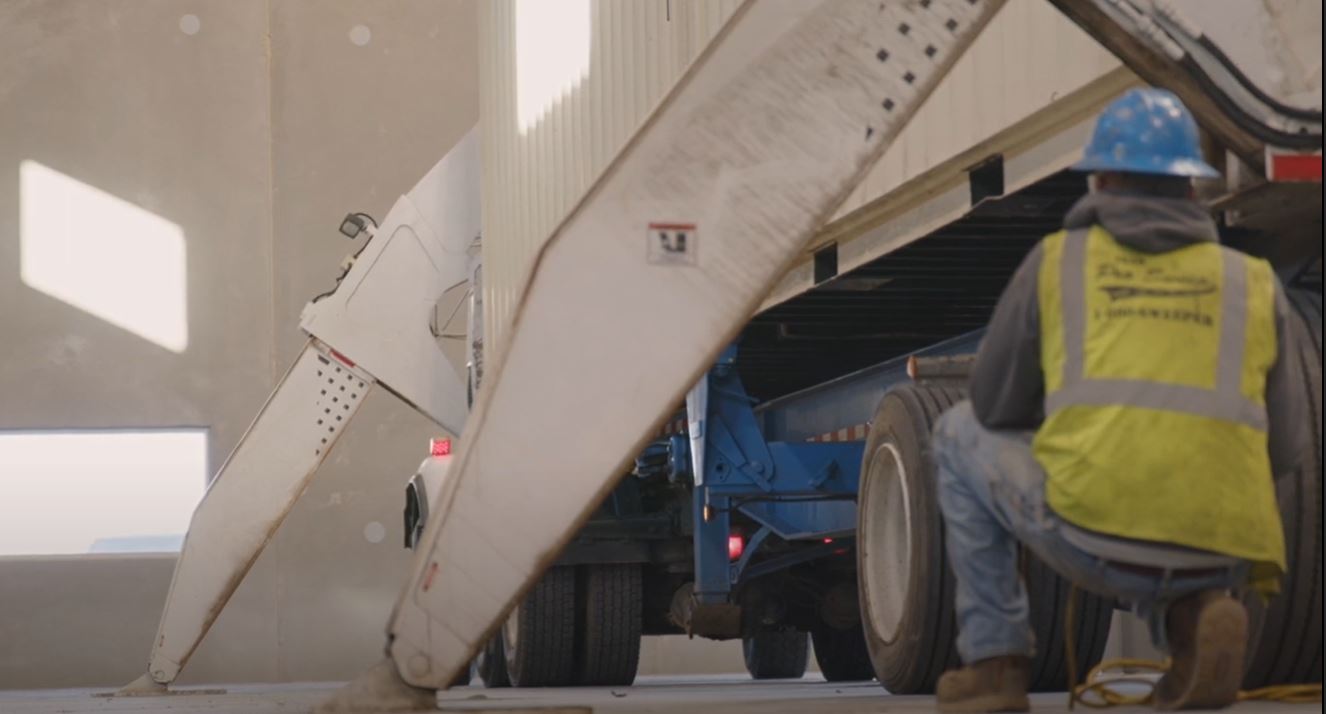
x: 342, y: 358
x: 828, y: 540
x: 735, y: 547
x: 1294, y: 167
x: 439, y: 447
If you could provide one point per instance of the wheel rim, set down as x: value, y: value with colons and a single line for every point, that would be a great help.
x: 885, y: 540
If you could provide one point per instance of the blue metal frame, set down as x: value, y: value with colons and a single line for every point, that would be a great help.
x: 796, y: 491
x: 848, y: 400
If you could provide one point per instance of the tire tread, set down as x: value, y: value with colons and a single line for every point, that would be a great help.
x: 776, y: 654
x: 1287, y: 644
x: 545, y: 649
x: 608, y: 653
x: 842, y: 654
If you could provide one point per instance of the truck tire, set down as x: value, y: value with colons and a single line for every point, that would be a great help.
x: 842, y: 654
x: 611, y: 619
x: 907, y: 588
x: 490, y: 664
x: 540, y: 635
x: 1286, y: 642
x: 1048, y: 594
x: 776, y: 654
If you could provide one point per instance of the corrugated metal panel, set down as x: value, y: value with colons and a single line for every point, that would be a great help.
x: 539, y: 160
x: 1029, y: 56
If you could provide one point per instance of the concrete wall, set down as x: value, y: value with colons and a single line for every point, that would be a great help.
x: 254, y: 126
x: 115, y: 95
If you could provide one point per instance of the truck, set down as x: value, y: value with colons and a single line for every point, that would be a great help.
x: 789, y: 498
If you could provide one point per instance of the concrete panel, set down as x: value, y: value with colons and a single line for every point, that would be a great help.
x: 254, y: 126
x: 116, y: 96
x: 86, y: 603
x: 677, y: 654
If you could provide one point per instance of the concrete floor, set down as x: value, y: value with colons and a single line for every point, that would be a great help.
x: 724, y: 694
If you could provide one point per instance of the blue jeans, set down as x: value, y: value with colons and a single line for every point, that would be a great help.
x: 992, y: 494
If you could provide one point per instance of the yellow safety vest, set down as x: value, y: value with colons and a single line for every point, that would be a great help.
x: 1155, y: 380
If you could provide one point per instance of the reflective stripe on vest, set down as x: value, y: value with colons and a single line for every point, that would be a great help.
x: 1225, y: 401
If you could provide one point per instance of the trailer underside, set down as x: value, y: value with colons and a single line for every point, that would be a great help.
x: 931, y: 290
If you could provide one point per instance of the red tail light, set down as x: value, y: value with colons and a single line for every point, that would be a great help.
x: 735, y: 547
x: 439, y: 447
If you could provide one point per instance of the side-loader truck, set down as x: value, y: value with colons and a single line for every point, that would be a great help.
x: 791, y: 495
x: 760, y: 514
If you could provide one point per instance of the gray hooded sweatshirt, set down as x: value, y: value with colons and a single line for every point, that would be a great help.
x: 1007, y: 385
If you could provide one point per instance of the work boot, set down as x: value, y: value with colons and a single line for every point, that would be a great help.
x: 1208, y: 632
x: 997, y: 684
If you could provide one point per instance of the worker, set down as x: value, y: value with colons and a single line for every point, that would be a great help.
x: 1134, y: 393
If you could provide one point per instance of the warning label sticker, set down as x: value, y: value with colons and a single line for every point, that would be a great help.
x: 671, y: 244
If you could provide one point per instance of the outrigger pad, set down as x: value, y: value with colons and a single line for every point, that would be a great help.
x: 380, y: 689
x: 145, y: 686
x: 635, y: 295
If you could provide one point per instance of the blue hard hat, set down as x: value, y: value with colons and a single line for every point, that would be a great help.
x: 1146, y: 131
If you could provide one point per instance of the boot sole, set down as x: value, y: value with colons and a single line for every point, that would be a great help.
x: 987, y: 703
x: 1217, y: 666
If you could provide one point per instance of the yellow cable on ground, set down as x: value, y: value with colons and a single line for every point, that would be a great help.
x: 1098, y: 693
x: 1288, y: 693
x: 1105, y: 695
